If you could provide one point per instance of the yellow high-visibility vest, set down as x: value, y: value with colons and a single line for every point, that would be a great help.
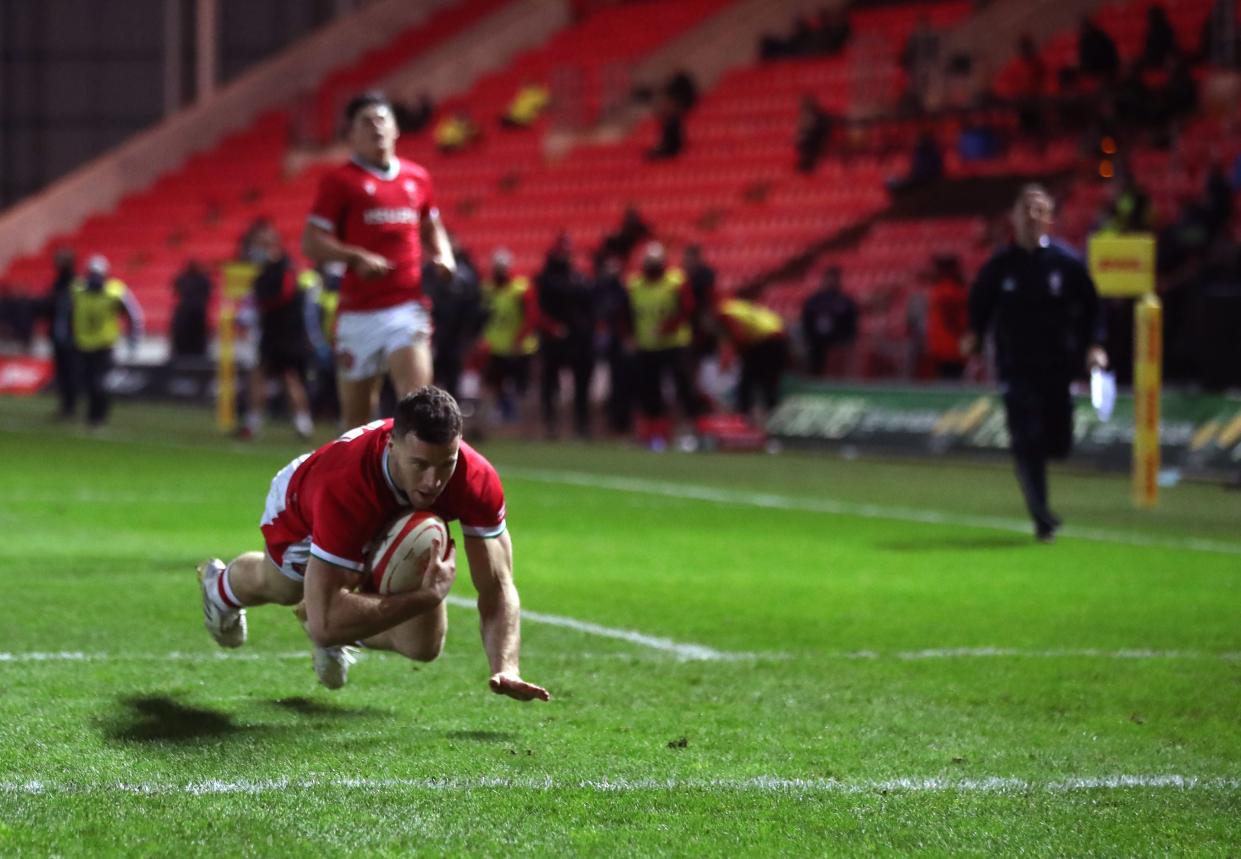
x: 654, y: 302
x: 328, y: 300
x: 97, y: 315
x: 751, y: 322
x: 506, y: 309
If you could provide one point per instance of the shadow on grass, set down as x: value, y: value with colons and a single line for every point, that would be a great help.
x: 958, y: 544
x: 482, y: 736
x: 310, y: 707
x: 160, y: 719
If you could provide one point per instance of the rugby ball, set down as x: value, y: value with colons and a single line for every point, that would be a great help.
x: 405, y: 551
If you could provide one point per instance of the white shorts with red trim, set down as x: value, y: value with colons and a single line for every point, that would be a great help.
x: 365, y: 338
x: 288, y: 553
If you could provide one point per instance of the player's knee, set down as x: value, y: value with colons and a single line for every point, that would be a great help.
x: 425, y: 649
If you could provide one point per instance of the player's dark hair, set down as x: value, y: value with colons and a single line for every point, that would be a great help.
x: 362, y: 101
x: 430, y: 413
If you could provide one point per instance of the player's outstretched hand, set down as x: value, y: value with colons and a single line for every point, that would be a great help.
x: 369, y: 265
x: 441, y: 572
x: 514, y: 687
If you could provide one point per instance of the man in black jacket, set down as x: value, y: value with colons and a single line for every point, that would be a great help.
x: 567, y: 326
x: 1039, y: 301
x: 58, y: 308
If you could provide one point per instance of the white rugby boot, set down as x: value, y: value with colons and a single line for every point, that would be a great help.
x: 332, y: 664
x: 227, y: 626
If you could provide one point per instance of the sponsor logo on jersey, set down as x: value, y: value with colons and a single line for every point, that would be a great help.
x: 378, y: 217
x: 1054, y: 283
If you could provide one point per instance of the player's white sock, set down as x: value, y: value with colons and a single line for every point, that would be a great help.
x: 220, y: 592
x: 254, y: 423
x: 303, y: 423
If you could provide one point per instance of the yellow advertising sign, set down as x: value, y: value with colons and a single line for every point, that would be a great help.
x: 1122, y: 266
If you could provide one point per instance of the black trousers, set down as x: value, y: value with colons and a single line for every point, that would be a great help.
x: 651, y: 367
x: 620, y: 389
x: 95, y: 366
x: 65, y: 360
x: 559, y: 355
x: 509, y: 377
x: 1040, y: 427
x: 761, y: 367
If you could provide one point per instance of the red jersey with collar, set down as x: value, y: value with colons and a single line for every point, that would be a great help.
x: 382, y: 212
x: 341, y: 495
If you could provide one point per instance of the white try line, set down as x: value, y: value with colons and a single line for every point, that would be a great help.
x: 755, y: 784
x: 834, y: 507
x: 681, y: 650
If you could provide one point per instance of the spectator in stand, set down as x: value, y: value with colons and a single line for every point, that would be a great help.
x: 663, y: 307
x: 1220, y: 42
x: 926, y: 165
x: 1159, y: 45
x: 758, y: 334
x: 832, y: 31
x: 1097, y: 56
x: 454, y: 133
x: 414, y: 116
x: 920, y: 59
x: 58, y: 309
x: 566, y: 323
x: 829, y: 319
x: 614, y: 339
x: 1029, y: 87
x: 947, y: 318
x: 671, y: 131
x: 287, y: 322
x: 814, y: 128
x: 824, y: 34
x: 99, y: 304
x: 192, y: 289
x: 456, y: 317
x: 527, y: 106
x: 620, y: 242
x: 682, y: 91
x: 512, y: 314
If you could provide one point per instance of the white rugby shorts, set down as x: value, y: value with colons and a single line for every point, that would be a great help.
x: 365, y: 338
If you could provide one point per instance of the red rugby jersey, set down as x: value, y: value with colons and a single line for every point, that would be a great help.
x: 342, y: 495
x: 380, y: 211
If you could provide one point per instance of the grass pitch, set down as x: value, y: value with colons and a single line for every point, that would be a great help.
x: 748, y: 656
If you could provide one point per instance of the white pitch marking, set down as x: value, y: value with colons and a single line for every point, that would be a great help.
x: 866, y: 511
x: 681, y: 650
x: 694, y: 649
x: 754, y: 784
